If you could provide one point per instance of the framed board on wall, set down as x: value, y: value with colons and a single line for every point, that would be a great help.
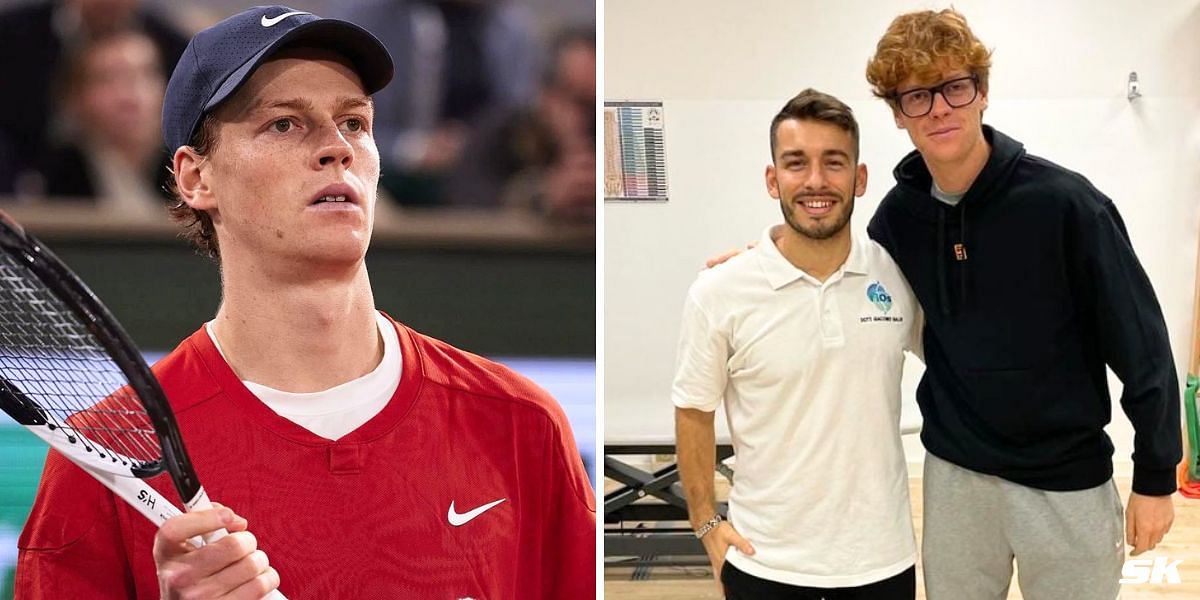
x: 635, y: 165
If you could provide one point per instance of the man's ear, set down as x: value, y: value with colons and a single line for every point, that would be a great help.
x: 191, y: 180
x: 772, y: 181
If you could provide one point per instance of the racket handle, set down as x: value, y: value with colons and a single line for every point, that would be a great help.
x: 213, y: 536
x: 201, y: 502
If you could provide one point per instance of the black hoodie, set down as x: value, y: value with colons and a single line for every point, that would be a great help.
x: 1030, y: 287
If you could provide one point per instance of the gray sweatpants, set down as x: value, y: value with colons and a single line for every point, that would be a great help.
x: 1067, y: 545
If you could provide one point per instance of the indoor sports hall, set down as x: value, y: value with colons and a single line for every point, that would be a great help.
x: 1107, y: 89
x: 479, y: 241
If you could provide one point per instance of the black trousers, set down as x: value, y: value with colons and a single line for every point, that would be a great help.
x: 740, y: 585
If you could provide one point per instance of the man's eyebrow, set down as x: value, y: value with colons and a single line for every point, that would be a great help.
x: 300, y: 104
x: 802, y: 154
x: 304, y: 104
x: 348, y: 102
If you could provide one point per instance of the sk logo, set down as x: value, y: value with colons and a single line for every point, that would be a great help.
x: 879, y: 296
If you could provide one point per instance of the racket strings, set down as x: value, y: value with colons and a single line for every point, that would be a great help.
x: 51, y: 359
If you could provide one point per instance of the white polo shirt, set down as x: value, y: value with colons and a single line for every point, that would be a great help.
x: 810, y: 376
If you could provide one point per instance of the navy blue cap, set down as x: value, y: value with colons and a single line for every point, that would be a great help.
x: 221, y: 58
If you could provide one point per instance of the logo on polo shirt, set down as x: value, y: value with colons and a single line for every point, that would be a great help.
x: 879, y: 296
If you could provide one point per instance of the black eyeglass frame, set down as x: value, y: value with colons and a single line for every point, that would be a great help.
x: 897, y: 97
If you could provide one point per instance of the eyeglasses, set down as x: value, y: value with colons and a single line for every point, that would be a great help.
x: 957, y: 93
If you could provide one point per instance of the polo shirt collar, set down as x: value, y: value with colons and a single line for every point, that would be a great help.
x: 780, y: 272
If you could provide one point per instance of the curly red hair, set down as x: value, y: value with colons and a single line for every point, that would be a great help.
x: 925, y: 45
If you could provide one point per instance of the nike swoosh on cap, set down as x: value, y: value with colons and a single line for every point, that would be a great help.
x: 270, y: 22
x: 457, y: 519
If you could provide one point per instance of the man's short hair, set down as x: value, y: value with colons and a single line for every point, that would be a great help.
x: 922, y: 44
x: 197, y: 225
x: 811, y: 105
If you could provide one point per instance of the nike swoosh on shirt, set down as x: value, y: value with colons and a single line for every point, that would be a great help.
x: 270, y: 22
x: 457, y: 519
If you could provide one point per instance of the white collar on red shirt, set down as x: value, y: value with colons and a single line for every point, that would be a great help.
x: 334, y: 412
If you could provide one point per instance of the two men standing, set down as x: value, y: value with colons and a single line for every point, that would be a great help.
x: 1030, y: 289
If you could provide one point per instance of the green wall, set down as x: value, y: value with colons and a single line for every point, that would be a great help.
x: 488, y: 302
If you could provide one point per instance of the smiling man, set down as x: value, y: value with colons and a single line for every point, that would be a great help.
x: 783, y: 335
x: 1030, y: 288
x: 368, y: 460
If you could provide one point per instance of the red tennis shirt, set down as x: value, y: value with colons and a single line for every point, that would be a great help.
x: 366, y: 516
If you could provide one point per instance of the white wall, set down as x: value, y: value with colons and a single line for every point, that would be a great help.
x: 724, y: 68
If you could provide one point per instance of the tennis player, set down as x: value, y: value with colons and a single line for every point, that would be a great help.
x: 802, y: 338
x: 368, y: 460
x: 1031, y: 289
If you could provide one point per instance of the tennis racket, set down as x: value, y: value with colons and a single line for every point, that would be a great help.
x: 71, y: 375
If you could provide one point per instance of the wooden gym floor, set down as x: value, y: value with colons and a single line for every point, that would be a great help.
x: 696, y: 583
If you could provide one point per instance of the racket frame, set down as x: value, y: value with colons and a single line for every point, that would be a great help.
x: 75, y: 294
x: 91, y: 313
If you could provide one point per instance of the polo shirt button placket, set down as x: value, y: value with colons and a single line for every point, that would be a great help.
x: 831, y: 329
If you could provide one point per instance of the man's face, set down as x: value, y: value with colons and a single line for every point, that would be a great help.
x: 815, y: 177
x: 946, y: 135
x: 291, y: 144
x: 119, y: 97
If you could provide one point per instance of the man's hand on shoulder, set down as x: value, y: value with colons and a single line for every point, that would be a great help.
x: 721, y: 258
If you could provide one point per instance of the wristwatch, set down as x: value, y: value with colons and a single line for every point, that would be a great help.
x: 708, y: 526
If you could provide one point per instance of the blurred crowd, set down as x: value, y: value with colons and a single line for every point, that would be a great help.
x: 492, y: 105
